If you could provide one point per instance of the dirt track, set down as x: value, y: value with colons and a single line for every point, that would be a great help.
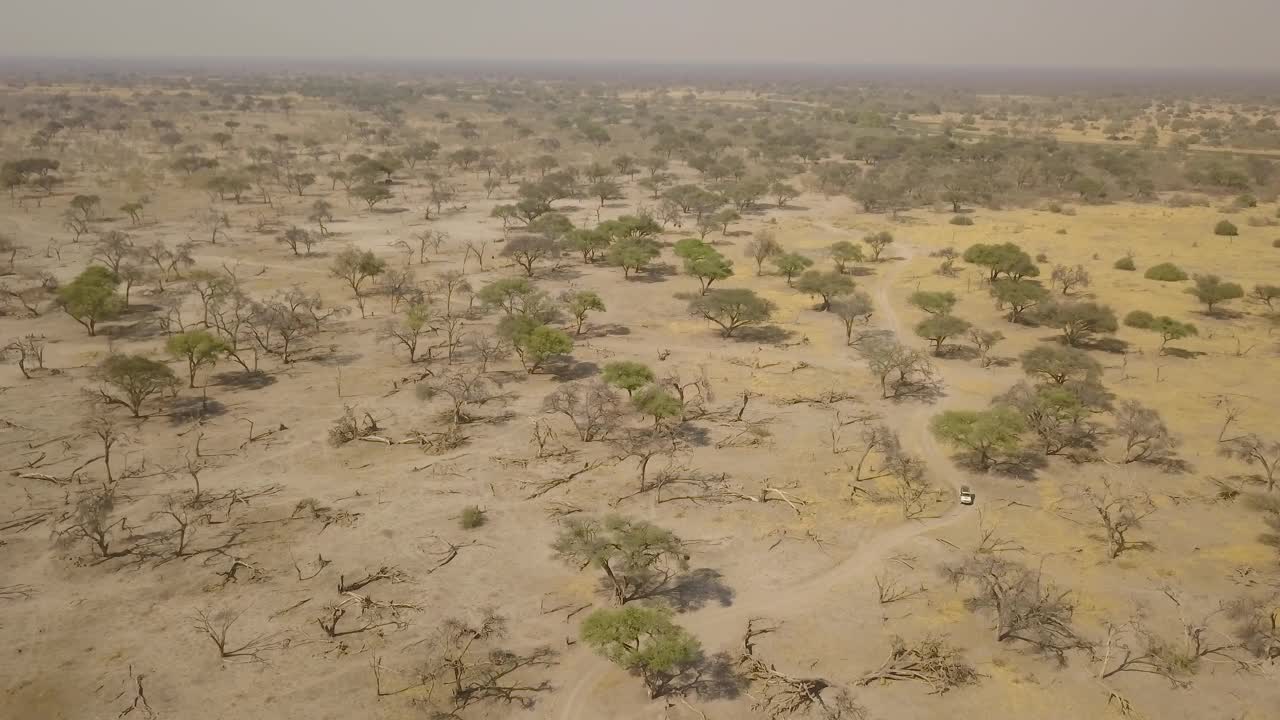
x: 717, y: 627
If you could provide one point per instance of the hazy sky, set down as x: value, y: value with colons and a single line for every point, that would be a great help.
x: 1093, y: 33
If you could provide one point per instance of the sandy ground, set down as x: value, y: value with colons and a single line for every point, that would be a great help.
x: 90, y: 631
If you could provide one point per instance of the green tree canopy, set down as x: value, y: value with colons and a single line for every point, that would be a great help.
x: 1003, y: 259
x: 1060, y: 365
x: 933, y: 302
x: 937, y: 328
x: 987, y: 434
x: 134, y: 379
x: 199, y: 348
x: 1018, y: 295
x: 732, y: 308
x: 791, y: 264
x: 644, y: 640
x: 632, y: 255
x: 1213, y: 291
x: 91, y: 297
x: 845, y: 252
x: 827, y: 285
x: 628, y: 375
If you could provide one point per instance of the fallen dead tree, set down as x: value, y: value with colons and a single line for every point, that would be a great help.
x: 931, y: 661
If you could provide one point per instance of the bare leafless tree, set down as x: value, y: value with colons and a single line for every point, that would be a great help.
x: 1146, y: 438
x: 25, y: 351
x: 217, y: 627
x: 1251, y: 449
x: 467, y: 667
x: 1118, y: 512
x: 463, y: 390
x: 591, y: 405
x: 1135, y: 646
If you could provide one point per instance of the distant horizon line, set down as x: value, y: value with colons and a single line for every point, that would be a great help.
x: 524, y: 63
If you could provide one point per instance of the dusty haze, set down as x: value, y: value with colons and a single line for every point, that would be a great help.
x: 1087, y: 33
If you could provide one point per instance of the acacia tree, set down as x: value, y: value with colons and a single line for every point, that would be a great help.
x: 409, y: 329
x: 852, y: 309
x: 878, y: 242
x: 708, y: 267
x: 638, y: 559
x: 528, y: 250
x: 732, y: 309
x: 1166, y: 327
x: 628, y: 375
x: 643, y: 640
x: 937, y: 328
x: 827, y: 285
x: 579, y: 303
x: 321, y: 213
x: 1213, y: 291
x: 1060, y: 365
x: 296, y: 237
x: 371, y: 194
x: 199, y: 348
x: 135, y: 379
x: 534, y: 342
x: 987, y: 434
x: 1058, y: 415
x: 657, y: 403
x: 1079, y: 321
x: 91, y: 298
x: 933, y: 302
x: 1018, y: 295
x: 902, y: 371
x: 86, y: 205
x: 632, y: 255
x: 845, y: 252
x: 791, y: 265
x: 1004, y: 259
x: 355, y: 267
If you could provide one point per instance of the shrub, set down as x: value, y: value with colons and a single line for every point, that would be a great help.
x: 1139, y: 319
x: 472, y: 517
x: 1054, y: 208
x: 1042, y: 258
x: 1275, y: 243
x: 1225, y: 228
x: 1183, y: 201
x: 1246, y: 201
x: 1165, y: 272
x: 961, y: 220
x: 1125, y: 263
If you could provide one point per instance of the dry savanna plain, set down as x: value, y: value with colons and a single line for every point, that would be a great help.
x: 463, y: 397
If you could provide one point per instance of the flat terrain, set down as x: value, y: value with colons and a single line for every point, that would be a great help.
x: 231, y: 502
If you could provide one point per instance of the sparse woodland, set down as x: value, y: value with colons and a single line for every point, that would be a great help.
x: 393, y: 396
